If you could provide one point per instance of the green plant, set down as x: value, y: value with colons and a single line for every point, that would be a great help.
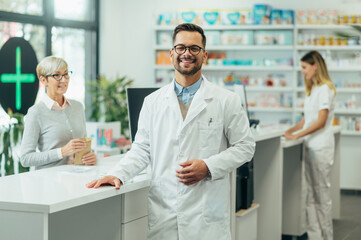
x: 109, y: 101
x: 348, y: 35
x: 10, y: 137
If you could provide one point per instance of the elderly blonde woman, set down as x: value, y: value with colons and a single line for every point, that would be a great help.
x: 55, y: 125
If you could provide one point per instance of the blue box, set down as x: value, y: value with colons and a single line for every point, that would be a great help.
x: 288, y: 17
x: 261, y: 14
x: 276, y: 16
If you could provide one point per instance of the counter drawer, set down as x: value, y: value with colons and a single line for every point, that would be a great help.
x: 134, y: 205
x: 135, y: 230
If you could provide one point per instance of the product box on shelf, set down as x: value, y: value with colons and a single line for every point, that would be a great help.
x: 213, y: 38
x: 287, y: 16
x: 230, y: 17
x: 333, y: 16
x: 323, y: 17
x: 276, y: 16
x: 167, y: 18
x: 301, y: 17
x: 209, y: 17
x: 188, y: 15
x: 164, y: 38
x: 246, y: 16
x: 163, y: 58
x: 261, y: 14
x: 273, y: 38
x: 312, y: 17
x: 241, y: 37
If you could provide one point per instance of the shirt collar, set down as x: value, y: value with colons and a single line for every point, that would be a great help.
x: 192, y: 89
x: 51, y: 104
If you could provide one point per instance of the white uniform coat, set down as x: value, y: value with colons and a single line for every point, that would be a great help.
x: 215, y: 130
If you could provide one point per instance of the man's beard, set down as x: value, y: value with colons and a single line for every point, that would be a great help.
x: 188, y: 72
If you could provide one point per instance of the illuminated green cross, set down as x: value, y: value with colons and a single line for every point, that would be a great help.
x: 18, y: 78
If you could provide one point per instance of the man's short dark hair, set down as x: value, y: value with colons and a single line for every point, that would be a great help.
x: 189, y: 27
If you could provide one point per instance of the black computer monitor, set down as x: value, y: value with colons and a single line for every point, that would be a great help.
x: 135, y: 97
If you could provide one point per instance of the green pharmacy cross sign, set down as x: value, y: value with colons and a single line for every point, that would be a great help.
x: 19, y: 84
x: 18, y: 78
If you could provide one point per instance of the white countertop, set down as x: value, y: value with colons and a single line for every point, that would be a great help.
x: 291, y: 143
x: 268, y: 132
x: 58, y: 188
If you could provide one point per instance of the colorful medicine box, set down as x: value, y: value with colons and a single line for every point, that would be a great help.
x: 246, y: 16
x: 261, y: 14
x: 209, y: 17
x: 237, y: 37
x: 230, y: 17
x: 276, y: 16
x: 188, y: 16
x: 168, y: 18
x: 287, y: 16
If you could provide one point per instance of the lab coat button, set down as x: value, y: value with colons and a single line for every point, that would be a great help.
x: 181, y: 154
x: 180, y: 214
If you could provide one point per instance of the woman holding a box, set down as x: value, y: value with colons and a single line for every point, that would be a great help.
x: 56, y: 125
x: 316, y: 127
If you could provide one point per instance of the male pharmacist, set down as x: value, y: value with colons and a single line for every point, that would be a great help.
x: 193, y: 134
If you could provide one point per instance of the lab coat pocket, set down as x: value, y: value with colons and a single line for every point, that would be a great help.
x: 153, y: 203
x: 210, y: 137
x: 215, y: 200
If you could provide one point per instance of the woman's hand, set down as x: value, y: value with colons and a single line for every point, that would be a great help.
x: 73, y: 146
x: 289, y: 136
x: 89, y: 158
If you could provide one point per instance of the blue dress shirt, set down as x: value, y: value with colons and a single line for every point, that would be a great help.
x: 186, y: 94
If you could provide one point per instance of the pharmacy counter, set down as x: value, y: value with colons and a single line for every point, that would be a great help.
x: 55, y: 204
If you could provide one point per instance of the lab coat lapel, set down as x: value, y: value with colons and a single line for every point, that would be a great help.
x: 172, y: 100
x: 199, y: 102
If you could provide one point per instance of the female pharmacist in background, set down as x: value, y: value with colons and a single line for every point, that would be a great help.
x: 316, y: 127
x: 55, y: 124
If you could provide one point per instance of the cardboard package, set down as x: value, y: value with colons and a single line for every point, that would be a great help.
x: 79, y: 155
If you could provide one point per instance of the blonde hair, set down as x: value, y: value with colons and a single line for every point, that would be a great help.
x: 321, y: 75
x: 49, y: 65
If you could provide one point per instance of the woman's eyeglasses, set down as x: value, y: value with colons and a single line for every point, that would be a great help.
x: 58, y: 76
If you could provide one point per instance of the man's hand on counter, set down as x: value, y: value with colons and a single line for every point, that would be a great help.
x: 106, y: 180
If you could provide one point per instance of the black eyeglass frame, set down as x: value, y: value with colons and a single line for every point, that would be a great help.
x: 65, y: 75
x: 189, y: 49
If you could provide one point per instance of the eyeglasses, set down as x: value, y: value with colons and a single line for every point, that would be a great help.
x: 194, y: 49
x: 58, y: 76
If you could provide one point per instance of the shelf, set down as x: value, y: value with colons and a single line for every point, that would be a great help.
x: 269, y: 109
x: 350, y: 133
x: 268, y: 89
x: 232, y: 27
x: 333, y: 48
x: 348, y: 111
x: 340, y: 69
x: 231, y: 68
x: 236, y: 47
x: 339, y: 111
x: 348, y: 90
x: 246, y: 68
x: 324, y: 26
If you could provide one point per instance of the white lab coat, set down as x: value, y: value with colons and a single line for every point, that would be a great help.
x: 215, y: 130
x: 319, y: 158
